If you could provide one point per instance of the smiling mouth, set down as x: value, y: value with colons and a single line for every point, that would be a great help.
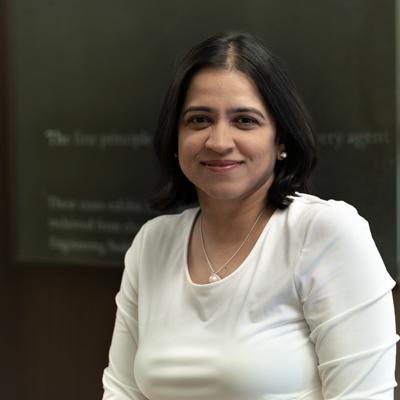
x: 221, y: 165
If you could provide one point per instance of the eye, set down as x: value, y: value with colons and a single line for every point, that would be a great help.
x: 246, y: 121
x: 199, y: 121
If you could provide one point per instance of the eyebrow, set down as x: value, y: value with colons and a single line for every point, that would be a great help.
x: 231, y: 110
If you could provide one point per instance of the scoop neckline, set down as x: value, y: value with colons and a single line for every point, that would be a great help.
x: 242, y: 265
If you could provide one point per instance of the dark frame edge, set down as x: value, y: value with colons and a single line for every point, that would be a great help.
x: 397, y: 111
x: 6, y: 185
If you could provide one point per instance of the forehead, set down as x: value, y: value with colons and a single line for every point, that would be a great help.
x: 221, y: 86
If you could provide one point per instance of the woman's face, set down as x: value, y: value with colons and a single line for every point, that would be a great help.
x: 227, y: 138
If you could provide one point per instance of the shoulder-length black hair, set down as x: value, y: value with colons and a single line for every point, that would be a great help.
x: 247, y: 54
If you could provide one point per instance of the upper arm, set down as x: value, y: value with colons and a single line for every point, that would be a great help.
x: 347, y: 302
x: 118, y: 378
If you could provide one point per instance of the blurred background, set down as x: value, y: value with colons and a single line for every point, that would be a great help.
x: 81, y: 84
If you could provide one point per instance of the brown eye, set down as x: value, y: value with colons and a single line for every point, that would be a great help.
x: 246, y: 121
x: 199, y: 121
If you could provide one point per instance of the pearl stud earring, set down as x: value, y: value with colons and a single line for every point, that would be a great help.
x: 283, y: 155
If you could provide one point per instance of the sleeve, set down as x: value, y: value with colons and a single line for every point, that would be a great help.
x: 118, y: 378
x: 347, y: 301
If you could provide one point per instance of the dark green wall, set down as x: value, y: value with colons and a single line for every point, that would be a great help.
x: 89, y: 79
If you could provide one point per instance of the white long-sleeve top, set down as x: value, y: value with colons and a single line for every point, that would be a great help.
x: 308, y: 315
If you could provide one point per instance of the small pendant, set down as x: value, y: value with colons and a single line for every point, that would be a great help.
x: 214, y: 278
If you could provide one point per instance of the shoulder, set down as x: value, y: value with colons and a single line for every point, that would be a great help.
x: 307, y: 204
x: 338, y: 265
x: 308, y: 212
x: 162, y: 232
x: 309, y: 222
x: 337, y: 241
x: 169, y: 224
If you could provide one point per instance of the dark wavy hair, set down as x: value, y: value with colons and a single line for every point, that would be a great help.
x: 294, y: 128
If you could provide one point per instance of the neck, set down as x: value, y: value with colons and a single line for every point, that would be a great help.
x: 227, y: 221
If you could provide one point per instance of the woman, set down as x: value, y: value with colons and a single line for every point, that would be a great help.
x: 261, y: 292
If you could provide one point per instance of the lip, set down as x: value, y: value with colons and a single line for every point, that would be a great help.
x: 221, y: 165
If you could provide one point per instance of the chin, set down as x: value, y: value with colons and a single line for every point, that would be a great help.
x: 222, y: 195
x: 220, y: 192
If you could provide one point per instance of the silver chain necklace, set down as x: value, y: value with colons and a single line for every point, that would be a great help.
x: 214, y: 277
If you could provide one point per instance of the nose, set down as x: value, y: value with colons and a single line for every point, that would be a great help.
x: 220, y: 139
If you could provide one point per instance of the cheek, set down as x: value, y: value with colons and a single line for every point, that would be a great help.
x: 261, y: 152
x: 188, y: 146
x: 186, y: 154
